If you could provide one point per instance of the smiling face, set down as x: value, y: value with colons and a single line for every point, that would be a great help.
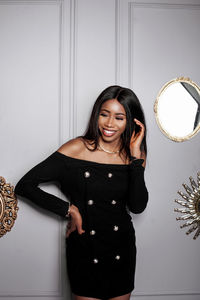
x: 112, y: 121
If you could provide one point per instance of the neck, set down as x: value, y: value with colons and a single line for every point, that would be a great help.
x: 110, y: 146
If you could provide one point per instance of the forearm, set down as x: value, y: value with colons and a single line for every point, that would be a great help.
x: 51, y: 169
x: 138, y: 194
x: 41, y: 198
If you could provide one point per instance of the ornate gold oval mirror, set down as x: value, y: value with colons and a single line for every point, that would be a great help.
x: 8, y: 206
x: 177, y: 109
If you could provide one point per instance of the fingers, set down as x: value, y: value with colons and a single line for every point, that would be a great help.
x: 76, y: 221
x: 136, y: 139
x: 79, y: 224
x: 139, y: 123
x: 80, y: 230
x: 71, y: 226
x: 141, y: 131
x: 68, y: 233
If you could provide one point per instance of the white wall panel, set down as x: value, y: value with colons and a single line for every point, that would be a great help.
x: 55, y: 58
x: 95, y: 46
x: 30, y: 54
x: 163, y: 44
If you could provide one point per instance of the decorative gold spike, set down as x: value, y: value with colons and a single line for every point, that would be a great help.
x: 193, y: 184
x: 195, y: 216
x: 184, y: 196
x: 198, y: 180
x: 187, y: 188
x: 191, y: 212
x: 182, y: 210
x: 193, y: 228
x: 184, y: 203
x: 188, y: 223
x: 184, y: 217
x: 197, y: 233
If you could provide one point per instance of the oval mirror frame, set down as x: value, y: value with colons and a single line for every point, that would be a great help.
x: 156, y: 104
x: 8, y: 206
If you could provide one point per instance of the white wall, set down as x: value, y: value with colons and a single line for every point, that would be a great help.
x: 55, y: 58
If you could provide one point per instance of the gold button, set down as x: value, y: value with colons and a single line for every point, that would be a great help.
x: 110, y: 175
x: 90, y: 202
x: 95, y: 261
x: 114, y: 202
x: 92, y: 232
x: 87, y: 174
x: 115, y: 228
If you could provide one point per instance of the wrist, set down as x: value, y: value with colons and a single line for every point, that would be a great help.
x: 136, y: 154
x: 68, y: 214
x: 72, y: 210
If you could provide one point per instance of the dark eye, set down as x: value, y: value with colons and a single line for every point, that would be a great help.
x: 119, y: 118
x: 103, y: 114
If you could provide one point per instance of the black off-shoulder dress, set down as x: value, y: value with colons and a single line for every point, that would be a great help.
x: 101, y: 261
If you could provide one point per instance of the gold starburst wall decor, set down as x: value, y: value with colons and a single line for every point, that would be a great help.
x: 191, y: 206
x: 8, y: 206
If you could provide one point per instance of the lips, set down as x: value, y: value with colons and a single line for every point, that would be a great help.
x: 108, y: 132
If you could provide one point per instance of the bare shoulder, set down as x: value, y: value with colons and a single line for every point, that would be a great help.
x: 73, y: 148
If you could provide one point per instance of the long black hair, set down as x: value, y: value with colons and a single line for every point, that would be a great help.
x: 133, y: 109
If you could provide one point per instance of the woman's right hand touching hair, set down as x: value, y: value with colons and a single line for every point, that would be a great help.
x: 75, y: 222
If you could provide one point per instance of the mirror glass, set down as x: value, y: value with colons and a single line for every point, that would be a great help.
x: 177, y: 109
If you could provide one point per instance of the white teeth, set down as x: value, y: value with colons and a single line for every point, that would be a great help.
x: 108, y: 131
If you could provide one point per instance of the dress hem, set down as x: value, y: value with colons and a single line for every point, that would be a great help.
x: 104, y: 297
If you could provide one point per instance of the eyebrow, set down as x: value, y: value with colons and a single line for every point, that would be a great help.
x: 115, y: 114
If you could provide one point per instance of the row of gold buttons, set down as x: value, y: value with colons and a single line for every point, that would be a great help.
x: 95, y: 260
x: 87, y: 174
x: 115, y: 228
x: 91, y: 202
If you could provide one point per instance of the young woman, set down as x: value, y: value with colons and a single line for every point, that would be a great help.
x: 102, y: 174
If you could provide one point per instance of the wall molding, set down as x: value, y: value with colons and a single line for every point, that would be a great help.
x: 73, y: 69
x: 165, y: 5
x: 117, y: 41
x: 164, y: 293
x: 73, y: 61
x: 134, y: 5
x: 31, y: 2
x: 131, y: 6
x: 57, y: 293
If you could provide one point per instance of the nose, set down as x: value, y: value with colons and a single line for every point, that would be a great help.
x: 109, y: 122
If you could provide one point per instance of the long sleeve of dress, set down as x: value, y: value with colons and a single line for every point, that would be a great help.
x: 138, y: 194
x: 50, y: 169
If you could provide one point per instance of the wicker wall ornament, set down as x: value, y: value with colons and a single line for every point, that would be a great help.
x: 190, y: 206
x: 8, y: 206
